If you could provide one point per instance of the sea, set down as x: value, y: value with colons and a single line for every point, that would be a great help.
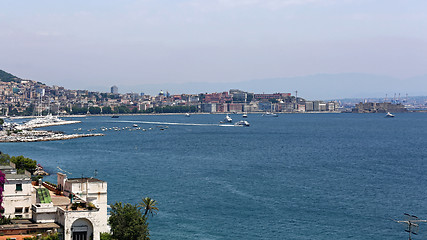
x: 296, y: 176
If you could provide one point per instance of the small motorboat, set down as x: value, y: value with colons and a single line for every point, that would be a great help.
x: 242, y: 123
x: 187, y: 115
x: 270, y: 114
x: 245, y: 115
x: 389, y: 115
x: 115, y: 116
x: 227, y: 119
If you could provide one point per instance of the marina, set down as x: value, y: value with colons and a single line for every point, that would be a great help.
x: 14, y: 132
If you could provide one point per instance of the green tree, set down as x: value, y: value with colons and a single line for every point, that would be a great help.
x: 107, y: 110
x: 95, y: 110
x: 127, y: 222
x: 22, y: 162
x: 106, y: 236
x: 4, y: 159
x: 1, y: 121
x: 149, y: 205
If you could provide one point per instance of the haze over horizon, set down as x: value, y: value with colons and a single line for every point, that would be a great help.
x: 143, y: 44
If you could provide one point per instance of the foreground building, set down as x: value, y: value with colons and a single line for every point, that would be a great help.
x: 76, y: 208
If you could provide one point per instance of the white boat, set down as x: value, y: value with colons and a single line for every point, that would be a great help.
x: 135, y: 125
x: 245, y: 115
x: 389, y: 115
x: 228, y: 119
x: 242, y: 123
x: 269, y: 114
x: 187, y: 115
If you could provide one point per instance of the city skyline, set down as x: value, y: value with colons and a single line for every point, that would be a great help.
x: 96, y: 45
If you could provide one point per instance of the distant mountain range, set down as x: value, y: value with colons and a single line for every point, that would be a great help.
x: 320, y: 86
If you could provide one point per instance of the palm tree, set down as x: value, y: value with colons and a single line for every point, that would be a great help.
x: 149, y: 205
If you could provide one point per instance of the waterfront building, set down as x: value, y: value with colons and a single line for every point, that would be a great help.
x: 309, y: 106
x: 265, y: 106
x: 235, y: 107
x: 319, y: 106
x: 372, y: 107
x: 208, y: 107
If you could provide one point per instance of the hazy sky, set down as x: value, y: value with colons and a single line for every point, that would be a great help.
x: 98, y: 43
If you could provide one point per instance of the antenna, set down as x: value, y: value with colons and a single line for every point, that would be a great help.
x: 412, y: 223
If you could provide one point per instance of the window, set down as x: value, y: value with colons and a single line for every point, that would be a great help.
x: 18, y: 210
x: 27, y: 209
x: 18, y: 187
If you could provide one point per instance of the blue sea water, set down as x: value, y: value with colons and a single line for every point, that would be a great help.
x: 298, y: 176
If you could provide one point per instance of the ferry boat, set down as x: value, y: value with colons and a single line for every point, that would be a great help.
x: 242, y: 123
x: 389, y: 115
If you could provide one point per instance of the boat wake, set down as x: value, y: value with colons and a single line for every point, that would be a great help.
x: 178, y: 124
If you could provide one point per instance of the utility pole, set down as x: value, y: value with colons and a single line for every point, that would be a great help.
x: 412, y: 223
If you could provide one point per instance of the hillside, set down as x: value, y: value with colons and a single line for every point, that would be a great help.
x: 7, y: 77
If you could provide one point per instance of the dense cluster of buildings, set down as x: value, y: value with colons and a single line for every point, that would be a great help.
x: 383, y: 107
x: 26, y: 97
x: 75, y: 208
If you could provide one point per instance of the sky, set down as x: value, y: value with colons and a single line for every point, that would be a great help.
x: 132, y: 43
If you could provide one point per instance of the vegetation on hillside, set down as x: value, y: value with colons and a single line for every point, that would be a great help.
x: 7, y: 77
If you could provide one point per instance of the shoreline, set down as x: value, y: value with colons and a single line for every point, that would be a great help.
x: 168, y: 114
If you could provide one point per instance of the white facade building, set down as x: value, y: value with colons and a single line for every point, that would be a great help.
x: 18, y: 196
x: 77, y: 207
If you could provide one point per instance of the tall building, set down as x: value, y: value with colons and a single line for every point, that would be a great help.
x: 114, y: 89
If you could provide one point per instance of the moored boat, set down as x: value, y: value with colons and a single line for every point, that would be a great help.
x: 242, y: 123
x: 227, y: 119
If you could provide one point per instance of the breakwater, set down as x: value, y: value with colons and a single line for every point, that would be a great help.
x: 48, y: 137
